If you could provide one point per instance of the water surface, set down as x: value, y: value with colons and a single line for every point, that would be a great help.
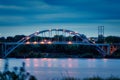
x: 47, y: 69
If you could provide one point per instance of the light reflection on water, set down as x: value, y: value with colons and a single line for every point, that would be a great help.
x: 57, y: 68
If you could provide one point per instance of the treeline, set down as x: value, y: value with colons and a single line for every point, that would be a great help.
x: 108, y: 39
x: 39, y: 38
x: 112, y: 39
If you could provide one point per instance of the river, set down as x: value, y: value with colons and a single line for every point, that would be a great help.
x: 48, y: 68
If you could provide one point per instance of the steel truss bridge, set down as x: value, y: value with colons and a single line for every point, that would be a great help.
x: 67, y: 37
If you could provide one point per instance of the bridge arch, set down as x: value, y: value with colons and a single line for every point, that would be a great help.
x: 84, y: 39
x: 70, y: 32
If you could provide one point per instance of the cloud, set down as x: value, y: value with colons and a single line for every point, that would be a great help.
x: 27, y: 12
x: 11, y: 18
x: 11, y: 7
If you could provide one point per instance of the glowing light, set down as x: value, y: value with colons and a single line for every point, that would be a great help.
x: 41, y: 42
x: 76, y: 32
x: 22, y: 38
x: 49, y: 29
x: 36, y: 33
x: 89, y: 38
x: 70, y: 32
x: 34, y: 42
x: 105, y: 60
x: 45, y: 40
x: 27, y: 37
x: 36, y: 62
x: 44, y: 59
x: 69, y: 42
x: 49, y: 42
x: 27, y: 42
x: 94, y: 42
x: 27, y: 62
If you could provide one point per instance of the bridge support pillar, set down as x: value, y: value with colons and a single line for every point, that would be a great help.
x: 108, y: 49
x: 3, y: 50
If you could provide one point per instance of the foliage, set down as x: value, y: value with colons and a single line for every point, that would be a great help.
x: 112, y: 39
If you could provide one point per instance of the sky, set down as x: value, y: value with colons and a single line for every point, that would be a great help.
x: 24, y: 17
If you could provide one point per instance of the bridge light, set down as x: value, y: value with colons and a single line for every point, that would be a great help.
x: 49, y: 42
x: 41, y: 42
x: 27, y: 42
x: 70, y: 32
x: 45, y: 40
x: 93, y: 42
x: 76, y: 32
x: 49, y: 29
x: 69, y: 42
x: 64, y: 30
x: 23, y: 38
x: 27, y: 37
x: 34, y: 42
x: 36, y: 33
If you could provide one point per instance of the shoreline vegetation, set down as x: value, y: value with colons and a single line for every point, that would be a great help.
x: 18, y: 73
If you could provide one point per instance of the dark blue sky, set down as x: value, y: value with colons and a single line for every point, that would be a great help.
x: 83, y: 16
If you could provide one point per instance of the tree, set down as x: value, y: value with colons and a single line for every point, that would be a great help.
x: 2, y: 39
x: 112, y: 39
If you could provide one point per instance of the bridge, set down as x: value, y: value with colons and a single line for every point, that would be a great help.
x: 53, y: 36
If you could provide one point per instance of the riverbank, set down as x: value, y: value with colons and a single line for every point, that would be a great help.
x: 64, y: 55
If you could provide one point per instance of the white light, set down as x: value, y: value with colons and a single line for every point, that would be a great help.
x: 27, y: 42
x: 22, y: 38
x: 49, y: 29
x: 34, y: 42
x: 27, y: 37
x: 37, y: 31
x: 45, y: 40
x: 93, y: 42
x: 69, y: 42
x: 41, y: 42
x: 70, y: 32
x: 76, y: 32
x: 49, y: 42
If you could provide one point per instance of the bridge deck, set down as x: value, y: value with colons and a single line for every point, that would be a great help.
x: 35, y: 43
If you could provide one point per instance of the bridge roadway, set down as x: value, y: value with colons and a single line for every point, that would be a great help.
x: 55, y: 42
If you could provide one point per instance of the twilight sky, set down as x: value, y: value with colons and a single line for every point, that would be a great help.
x: 84, y: 16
